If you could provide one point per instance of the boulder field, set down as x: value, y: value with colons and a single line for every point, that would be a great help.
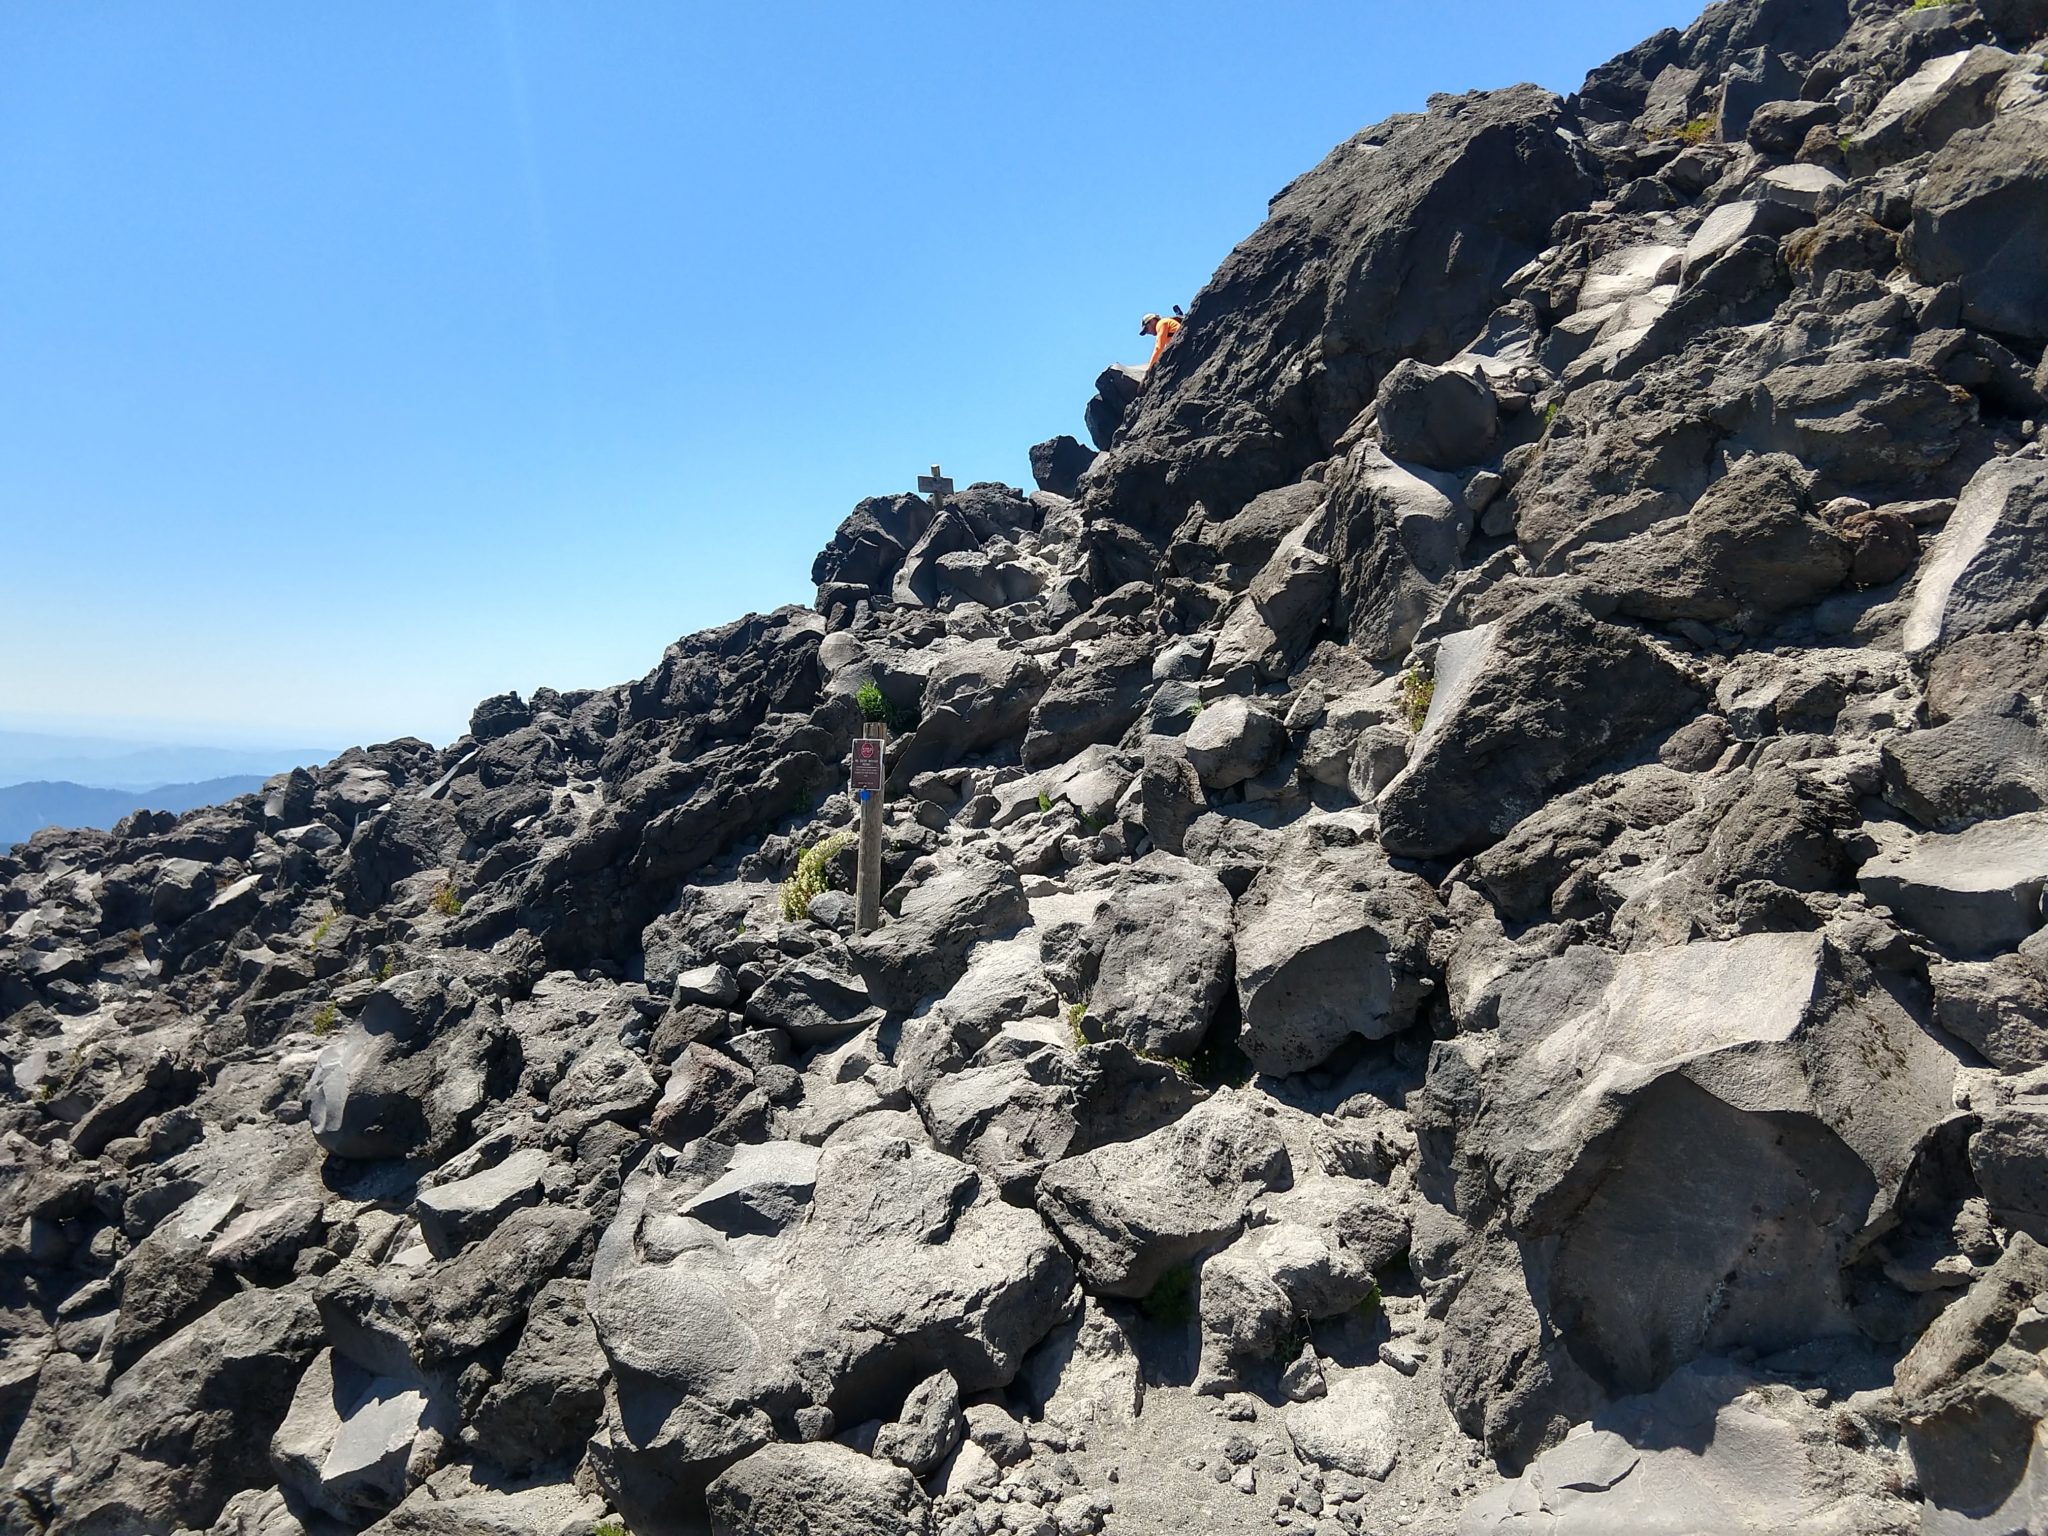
x: 1463, y: 942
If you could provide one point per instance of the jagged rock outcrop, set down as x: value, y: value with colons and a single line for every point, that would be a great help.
x: 1463, y: 941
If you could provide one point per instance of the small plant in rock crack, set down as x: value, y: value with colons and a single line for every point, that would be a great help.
x: 1172, y: 1300
x: 1417, y: 689
x: 325, y: 1020
x: 611, y: 1525
x: 1698, y: 131
x: 813, y: 877
x: 321, y: 930
x: 1929, y: 5
x: 874, y: 705
x: 1044, y: 801
x: 445, y: 901
x: 1075, y: 1013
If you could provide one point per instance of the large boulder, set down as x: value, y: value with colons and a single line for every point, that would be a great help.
x: 1700, y: 1138
x: 1975, y: 1396
x: 1980, y: 219
x: 1520, y: 706
x: 1718, y: 1447
x: 1093, y: 699
x: 1160, y: 947
x: 870, y: 545
x: 1397, y: 534
x: 924, y: 949
x: 838, y: 1278
x: 1439, y: 417
x: 1135, y: 1210
x: 1979, y: 766
x: 1395, y: 246
x: 210, y: 1397
x: 1929, y: 107
x: 1976, y: 891
x: 1058, y: 464
x: 1232, y: 740
x: 1332, y: 943
x: 1988, y: 569
x: 1269, y: 629
x: 375, y: 1093
x: 817, y: 1490
x: 1756, y: 536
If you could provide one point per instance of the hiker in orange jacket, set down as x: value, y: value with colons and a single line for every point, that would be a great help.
x: 1165, y: 330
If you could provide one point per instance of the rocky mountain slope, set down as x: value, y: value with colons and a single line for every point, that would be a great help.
x: 1463, y: 953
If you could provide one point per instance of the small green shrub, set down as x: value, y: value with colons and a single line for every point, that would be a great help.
x: 1220, y: 1064
x: 1370, y: 1306
x: 874, y: 705
x: 446, y: 902
x: 1044, y: 801
x: 813, y: 877
x: 1075, y: 1013
x: 1172, y: 1300
x: 321, y: 930
x: 1417, y: 689
x: 1550, y: 414
x: 611, y: 1525
x: 1929, y: 5
x: 389, y: 968
x: 324, y: 1021
x: 1698, y: 131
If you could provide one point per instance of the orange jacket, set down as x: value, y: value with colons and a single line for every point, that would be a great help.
x: 1166, y: 330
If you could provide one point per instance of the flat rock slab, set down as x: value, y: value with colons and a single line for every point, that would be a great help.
x: 1711, y: 1450
x: 452, y: 1216
x: 1805, y: 187
x: 1977, y: 891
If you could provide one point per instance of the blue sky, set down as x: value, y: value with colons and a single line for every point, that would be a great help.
x: 358, y: 361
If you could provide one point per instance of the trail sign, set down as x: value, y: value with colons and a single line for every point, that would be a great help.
x: 935, y: 485
x: 867, y: 774
x: 867, y: 765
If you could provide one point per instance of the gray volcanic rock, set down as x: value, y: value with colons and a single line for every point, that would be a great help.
x: 817, y: 1490
x: 1984, y: 572
x: 1979, y: 213
x: 723, y: 1310
x: 1133, y: 1211
x: 1430, y: 214
x: 1764, y: 1101
x: 1436, y: 417
x: 1498, y: 738
x: 1332, y: 943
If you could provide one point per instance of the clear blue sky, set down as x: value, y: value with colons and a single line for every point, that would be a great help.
x: 358, y: 361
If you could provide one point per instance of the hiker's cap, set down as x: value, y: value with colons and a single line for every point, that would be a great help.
x: 1145, y: 321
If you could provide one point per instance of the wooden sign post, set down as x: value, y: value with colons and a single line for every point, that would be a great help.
x: 868, y: 775
x: 936, y: 486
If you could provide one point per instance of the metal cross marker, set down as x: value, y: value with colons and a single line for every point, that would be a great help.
x: 866, y: 772
x: 936, y: 486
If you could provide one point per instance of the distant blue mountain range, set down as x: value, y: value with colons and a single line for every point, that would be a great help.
x: 105, y: 762
x: 26, y: 808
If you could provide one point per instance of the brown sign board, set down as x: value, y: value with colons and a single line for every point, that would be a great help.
x: 867, y: 765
